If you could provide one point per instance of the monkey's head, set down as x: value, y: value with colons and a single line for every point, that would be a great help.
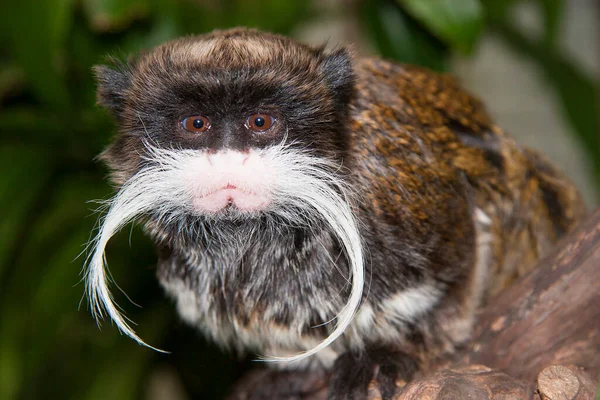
x: 230, y: 95
x: 233, y: 126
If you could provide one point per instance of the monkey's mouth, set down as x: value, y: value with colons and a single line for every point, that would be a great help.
x: 230, y: 196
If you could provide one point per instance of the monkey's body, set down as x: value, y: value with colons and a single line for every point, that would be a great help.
x: 450, y: 209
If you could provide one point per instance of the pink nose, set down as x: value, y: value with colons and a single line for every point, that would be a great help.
x: 227, y: 159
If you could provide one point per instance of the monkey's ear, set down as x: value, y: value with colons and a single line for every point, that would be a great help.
x: 339, y: 73
x: 112, y: 85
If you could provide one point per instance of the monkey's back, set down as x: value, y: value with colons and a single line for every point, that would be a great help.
x: 421, y: 139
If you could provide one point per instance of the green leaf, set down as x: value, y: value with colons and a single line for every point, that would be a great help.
x: 164, y: 28
x: 114, y: 15
x: 497, y: 8
x: 552, y: 11
x: 456, y: 22
x: 120, y: 379
x: 35, y: 32
x: 577, y: 92
x: 75, y: 141
x: 11, y: 358
x: 22, y: 176
x: 12, y: 78
x: 280, y: 16
x: 18, y: 120
x: 398, y: 37
x: 272, y: 15
x: 122, y: 373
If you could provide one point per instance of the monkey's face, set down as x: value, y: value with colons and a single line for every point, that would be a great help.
x: 232, y: 102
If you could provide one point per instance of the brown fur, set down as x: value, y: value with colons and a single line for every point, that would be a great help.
x: 529, y: 201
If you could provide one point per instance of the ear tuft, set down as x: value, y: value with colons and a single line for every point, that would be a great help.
x: 112, y: 85
x: 339, y: 73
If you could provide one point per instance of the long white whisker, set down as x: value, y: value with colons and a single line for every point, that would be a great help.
x: 328, y: 197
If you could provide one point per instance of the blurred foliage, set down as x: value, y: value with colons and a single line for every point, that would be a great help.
x: 52, y: 130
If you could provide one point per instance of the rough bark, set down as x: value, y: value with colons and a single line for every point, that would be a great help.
x: 472, y: 382
x: 539, y: 339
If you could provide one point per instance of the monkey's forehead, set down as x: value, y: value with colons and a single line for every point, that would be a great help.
x: 234, y: 49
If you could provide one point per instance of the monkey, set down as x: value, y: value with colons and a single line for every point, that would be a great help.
x: 322, y: 210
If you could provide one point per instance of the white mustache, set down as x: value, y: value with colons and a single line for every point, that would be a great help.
x: 304, y: 189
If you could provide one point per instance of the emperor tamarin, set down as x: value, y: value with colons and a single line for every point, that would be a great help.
x: 317, y: 208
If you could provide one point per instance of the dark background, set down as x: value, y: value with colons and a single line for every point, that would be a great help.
x: 51, y: 130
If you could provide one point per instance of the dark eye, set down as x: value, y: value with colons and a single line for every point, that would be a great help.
x: 260, y: 122
x: 196, y: 124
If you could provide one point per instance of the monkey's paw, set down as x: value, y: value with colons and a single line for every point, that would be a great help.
x: 352, y: 373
